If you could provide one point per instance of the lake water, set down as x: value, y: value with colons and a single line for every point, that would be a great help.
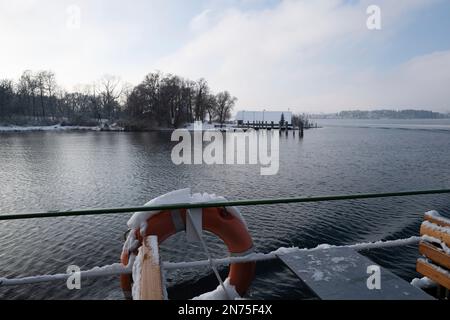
x: 67, y: 170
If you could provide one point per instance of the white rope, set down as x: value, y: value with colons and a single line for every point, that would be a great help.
x: 210, y: 260
x: 108, y: 270
x: 274, y: 254
x: 117, y: 268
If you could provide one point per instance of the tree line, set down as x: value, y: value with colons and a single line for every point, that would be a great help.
x: 160, y: 100
x: 391, y: 114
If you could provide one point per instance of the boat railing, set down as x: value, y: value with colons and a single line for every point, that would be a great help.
x: 118, y: 268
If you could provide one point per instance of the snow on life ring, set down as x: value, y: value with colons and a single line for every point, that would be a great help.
x: 225, y: 223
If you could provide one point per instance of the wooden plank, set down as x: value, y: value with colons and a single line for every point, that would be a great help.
x: 434, y: 232
x: 434, y: 274
x: 440, y: 221
x: 151, y: 285
x: 342, y: 274
x: 435, y: 254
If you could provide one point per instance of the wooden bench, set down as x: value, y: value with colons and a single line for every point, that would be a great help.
x: 435, y: 249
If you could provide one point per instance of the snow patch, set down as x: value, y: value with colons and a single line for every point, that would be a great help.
x: 139, y: 219
x: 131, y: 243
x: 137, y: 267
x: 323, y: 246
x: 356, y: 246
x: 283, y: 250
x: 317, y: 275
x: 56, y: 127
x: 385, y: 244
x: 434, y: 240
x: 337, y: 259
x: 152, y: 244
x: 435, y: 227
x: 220, y: 294
x: 436, y: 215
x: 112, y: 269
x: 423, y: 283
x: 183, y: 196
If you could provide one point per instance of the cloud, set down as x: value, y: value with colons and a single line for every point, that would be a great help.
x: 201, y: 21
x: 306, y: 55
x: 114, y: 37
x: 35, y: 36
x: 290, y: 55
x: 422, y: 81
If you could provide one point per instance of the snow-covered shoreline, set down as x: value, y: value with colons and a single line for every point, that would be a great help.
x: 56, y: 127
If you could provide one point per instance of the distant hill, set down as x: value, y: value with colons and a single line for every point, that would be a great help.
x: 385, y: 114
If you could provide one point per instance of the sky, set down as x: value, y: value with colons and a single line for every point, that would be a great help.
x: 308, y: 56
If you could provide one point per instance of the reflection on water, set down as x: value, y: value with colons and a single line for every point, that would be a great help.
x: 49, y: 171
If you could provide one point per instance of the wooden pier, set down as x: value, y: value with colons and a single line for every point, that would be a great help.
x: 257, y: 125
x: 266, y: 125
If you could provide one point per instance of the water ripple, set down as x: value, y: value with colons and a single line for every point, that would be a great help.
x: 48, y: 171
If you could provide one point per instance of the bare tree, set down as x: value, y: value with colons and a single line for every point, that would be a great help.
x: 27, y: 88
x: 211, y: 107
x: 110, y: 92
x: 51, y: 86
x: 201, y: 99
x: 40, y: 82
x: 6, y: 97
x: 46, y: 85
x: 225, y: 103
x: 189, y: 94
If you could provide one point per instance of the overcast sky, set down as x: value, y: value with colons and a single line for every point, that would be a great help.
x: 313, y: 56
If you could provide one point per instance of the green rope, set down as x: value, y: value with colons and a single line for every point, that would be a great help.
x: 255, y: 202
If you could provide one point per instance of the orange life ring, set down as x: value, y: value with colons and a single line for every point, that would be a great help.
x: 224, y: 224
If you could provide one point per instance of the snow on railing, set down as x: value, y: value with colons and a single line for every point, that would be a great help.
x: 118, y: 268
x: 107, y: 270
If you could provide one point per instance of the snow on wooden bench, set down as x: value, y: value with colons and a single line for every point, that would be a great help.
x: 435, y: 249
x: 344, y: 274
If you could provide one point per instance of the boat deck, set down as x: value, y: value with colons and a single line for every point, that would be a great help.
x: 343, y: 274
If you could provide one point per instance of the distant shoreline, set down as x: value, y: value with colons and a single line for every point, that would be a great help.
x: 383, y: 114
x: 349, y: 118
